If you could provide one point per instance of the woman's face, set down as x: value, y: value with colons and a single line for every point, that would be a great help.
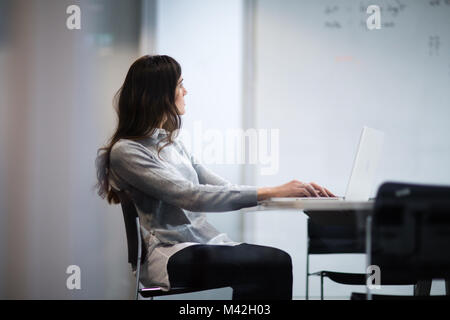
x: 180, y: 92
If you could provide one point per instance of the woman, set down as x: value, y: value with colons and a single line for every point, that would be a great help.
x: 171, y: 190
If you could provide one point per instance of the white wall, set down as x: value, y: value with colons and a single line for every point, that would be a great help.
x: 59, y: 86
x: 321, y: 85
x: 4, y: 52
x: 205, y: 37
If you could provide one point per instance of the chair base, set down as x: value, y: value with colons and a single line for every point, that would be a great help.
x: 363, y: 296
x: 343, y: 277
x: 158, y: 292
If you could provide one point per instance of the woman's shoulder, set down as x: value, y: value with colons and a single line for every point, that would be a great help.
x: 123, y: 144
x: 128, y: 147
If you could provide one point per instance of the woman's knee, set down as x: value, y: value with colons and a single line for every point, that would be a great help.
x: 283, y: 259
x: 276, y: 258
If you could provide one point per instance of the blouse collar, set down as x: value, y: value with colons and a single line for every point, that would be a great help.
x: 158, y: 133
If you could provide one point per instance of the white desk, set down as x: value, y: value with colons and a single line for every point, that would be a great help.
x: 320, y: 205
x: 358, y: 213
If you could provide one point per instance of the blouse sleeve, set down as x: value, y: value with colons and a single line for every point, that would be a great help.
x: 205, y: 175
x: 137, y: 166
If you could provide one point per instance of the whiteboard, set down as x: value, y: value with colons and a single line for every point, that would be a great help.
x: 320, y: 76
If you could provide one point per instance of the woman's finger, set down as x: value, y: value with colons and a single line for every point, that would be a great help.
x: 305, y: 192
x: 322, y: 193
x: 329, y: 193
x: 321, y: 190
x: 311, y: 190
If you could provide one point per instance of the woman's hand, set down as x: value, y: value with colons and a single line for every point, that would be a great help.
x: 294, y: 188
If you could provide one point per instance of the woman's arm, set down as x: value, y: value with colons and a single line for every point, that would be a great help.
x: 135, y: 165
x: 205, y: 175
x: 294, y: 188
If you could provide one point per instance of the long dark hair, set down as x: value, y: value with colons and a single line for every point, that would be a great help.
x: 145, y: 100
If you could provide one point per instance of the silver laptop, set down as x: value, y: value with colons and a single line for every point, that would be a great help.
x: 365, y: 165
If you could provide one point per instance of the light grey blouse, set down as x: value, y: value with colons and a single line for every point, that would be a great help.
x: 171, y: 194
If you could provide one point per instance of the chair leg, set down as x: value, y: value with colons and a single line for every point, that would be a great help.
x: 422, y: 288
x: 321, y: 286
x: 307, y: 286
x: 138, y: 266
x: 447, y: 287
x: 137, y: 289
x: 307, y: 276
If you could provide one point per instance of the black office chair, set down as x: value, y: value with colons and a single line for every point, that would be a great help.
x: 339, y: 235
x: 411, y: 235
x: 333, y: 239
x: 137, y: 252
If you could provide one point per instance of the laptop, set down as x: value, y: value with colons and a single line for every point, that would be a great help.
x: 365, y: 165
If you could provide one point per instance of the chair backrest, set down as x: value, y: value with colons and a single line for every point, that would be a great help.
x: 129, y: 216
x: 411, y: 231
x: 333, y: 238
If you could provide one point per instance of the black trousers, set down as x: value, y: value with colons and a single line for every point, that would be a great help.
x: 253, y: 271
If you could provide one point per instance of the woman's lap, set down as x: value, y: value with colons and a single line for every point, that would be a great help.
x: 242, y: 266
